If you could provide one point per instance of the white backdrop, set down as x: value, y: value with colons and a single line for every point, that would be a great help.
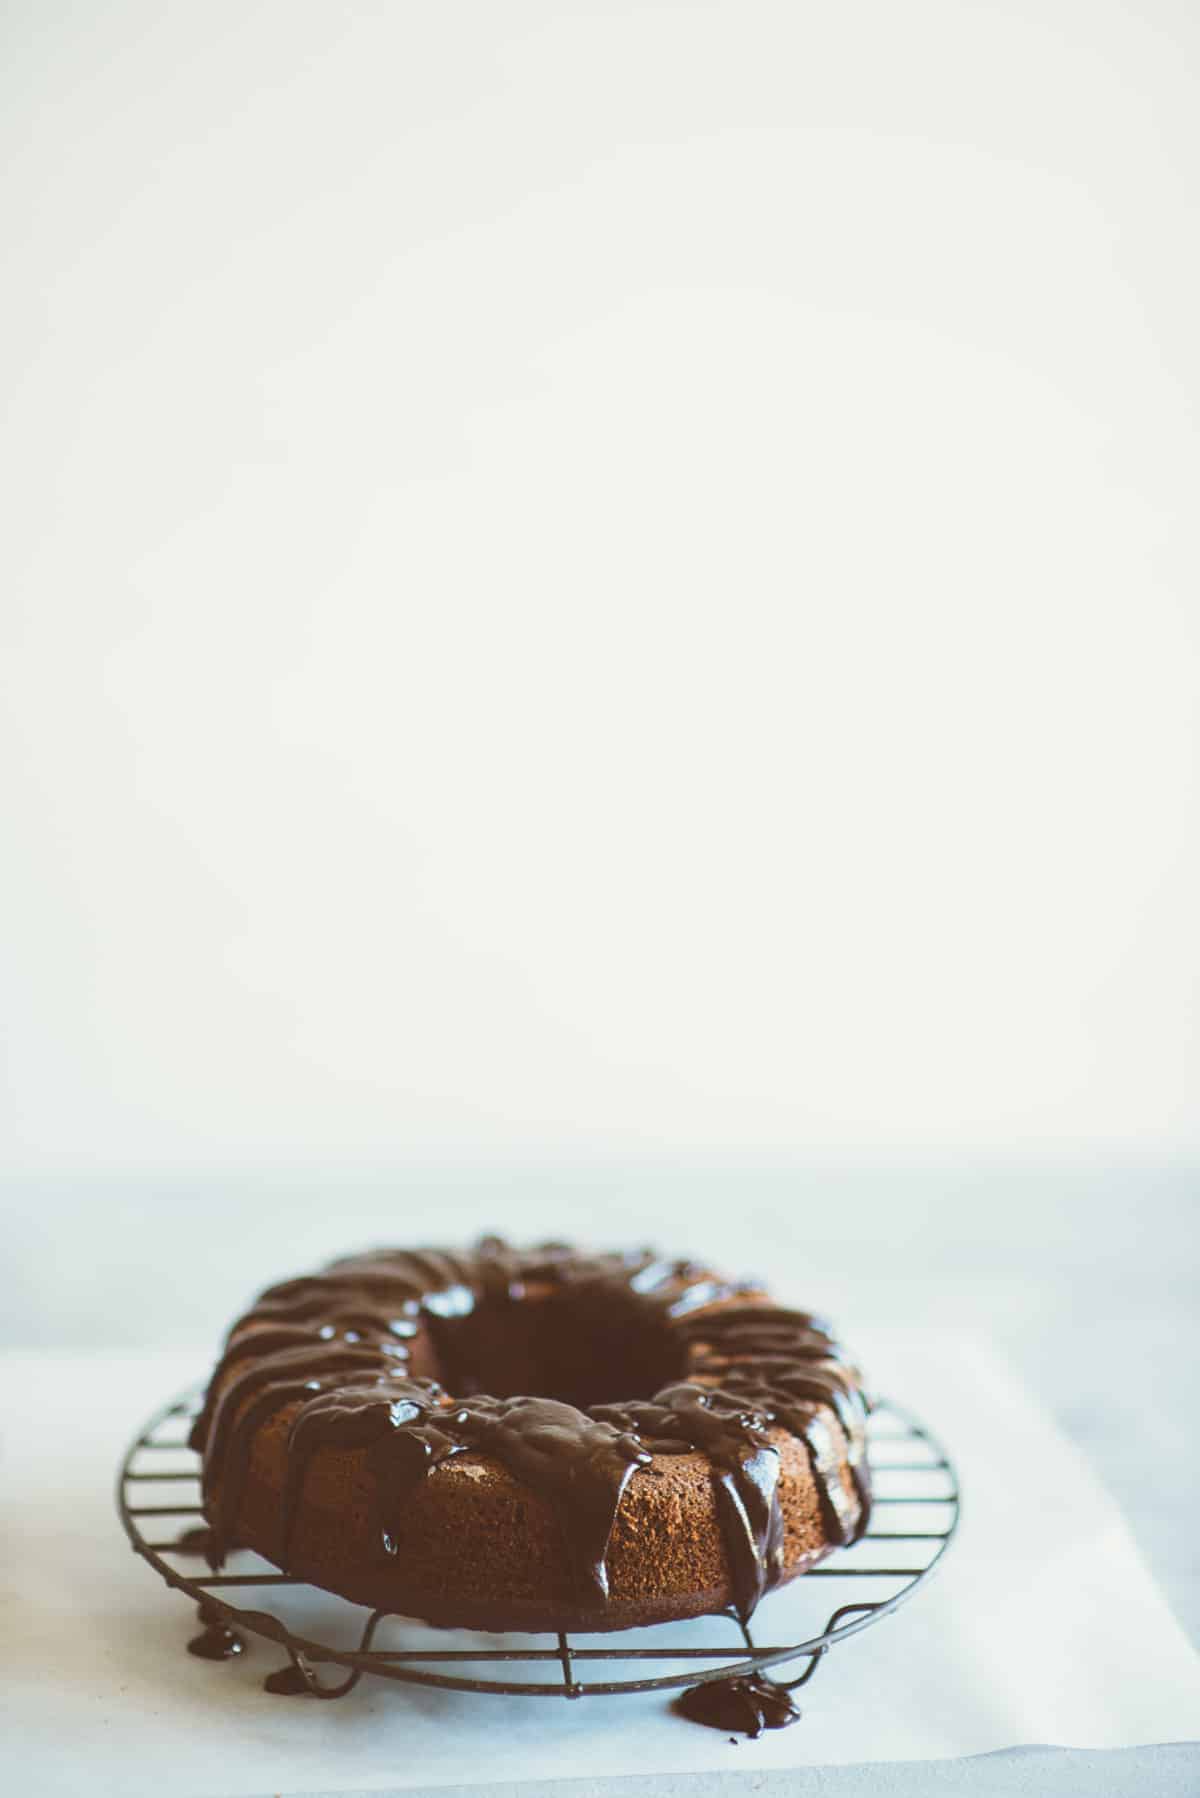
x: 599, y: 579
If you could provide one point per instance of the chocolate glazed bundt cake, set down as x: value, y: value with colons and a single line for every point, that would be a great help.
x: 533, y: 1440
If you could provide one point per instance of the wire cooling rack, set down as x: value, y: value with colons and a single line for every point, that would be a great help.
x: 916, y: 1509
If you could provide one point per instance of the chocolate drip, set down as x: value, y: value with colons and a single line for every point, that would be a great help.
x: 217, y: 1642
x: 787, y: 1364
x: 394, y: 1419
x: 746, y: 1465
x: 276, y: 1381
x: 747, y: 1705
x: 347, y: 1351
x: 580, y: 1465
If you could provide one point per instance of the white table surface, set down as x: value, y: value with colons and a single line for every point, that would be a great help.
x: 1086, y: 1277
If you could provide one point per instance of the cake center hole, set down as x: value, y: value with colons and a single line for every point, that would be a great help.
x: 570, y: 1345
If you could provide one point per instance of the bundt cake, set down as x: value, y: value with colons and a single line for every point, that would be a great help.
x: 533, y: 1440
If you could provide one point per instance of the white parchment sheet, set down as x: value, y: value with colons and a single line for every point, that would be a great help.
x: 1023, y: 1637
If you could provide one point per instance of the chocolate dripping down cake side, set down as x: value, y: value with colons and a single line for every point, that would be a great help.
x: 537, y: 1439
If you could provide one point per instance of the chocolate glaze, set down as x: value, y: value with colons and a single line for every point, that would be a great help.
x: 749, y: 1705
x: 355, y: 1350
x: 217, y: 1642
x: 195, y: 1541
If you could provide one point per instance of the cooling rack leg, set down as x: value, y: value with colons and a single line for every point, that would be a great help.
x: 295, y: 1680
x: 793, y: 1685
x: 571, y: 1687
x: 298, y: 1680
x: 783, y: 1685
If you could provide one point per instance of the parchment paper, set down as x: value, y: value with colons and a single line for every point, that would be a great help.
x: 1027, y: 1634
